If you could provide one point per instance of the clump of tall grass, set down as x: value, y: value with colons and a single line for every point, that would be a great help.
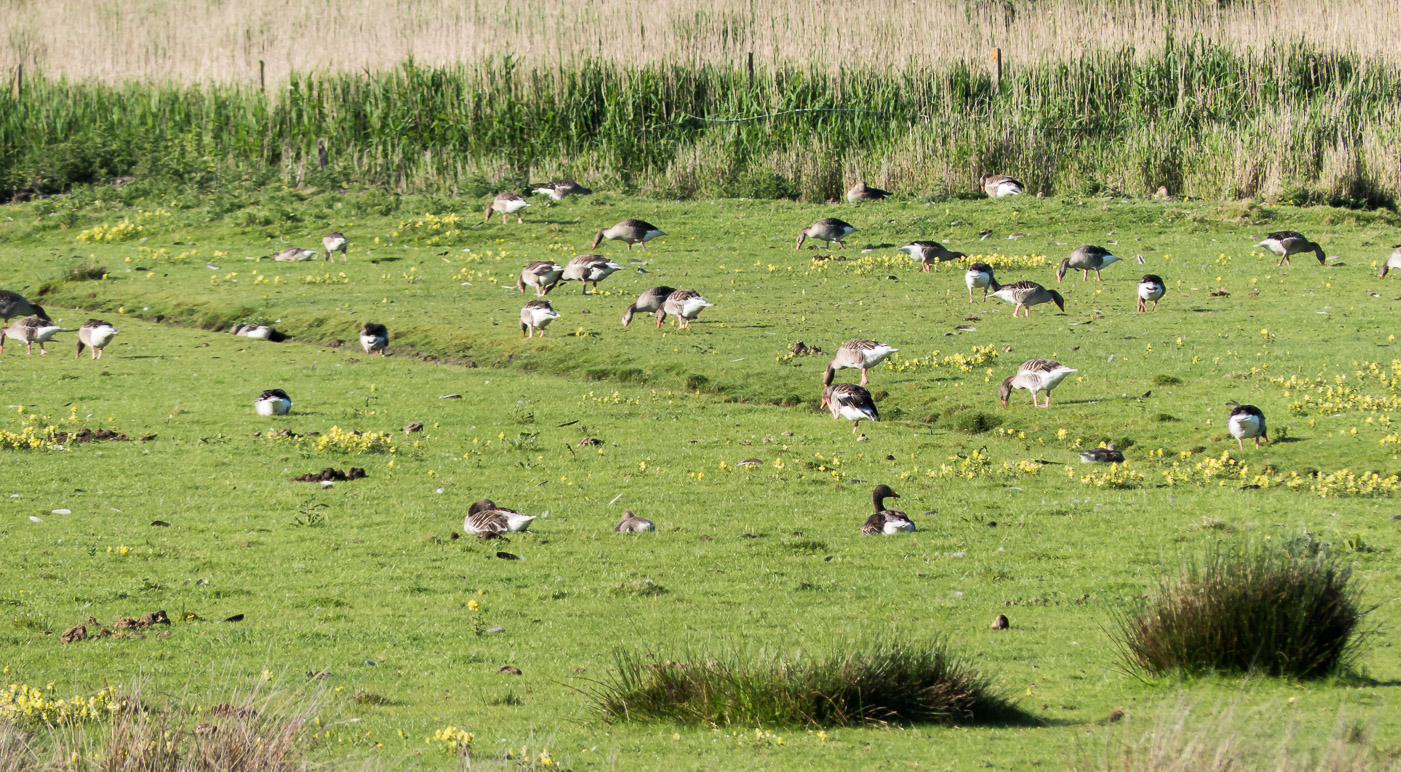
x: 878, y: 683
x: 88, y: 270
x: 1249, y: 609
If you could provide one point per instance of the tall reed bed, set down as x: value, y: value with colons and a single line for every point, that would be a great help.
x: 1196, y: 117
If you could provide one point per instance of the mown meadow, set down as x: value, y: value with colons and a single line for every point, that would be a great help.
x: 270, y: 583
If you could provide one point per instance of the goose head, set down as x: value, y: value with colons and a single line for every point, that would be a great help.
x: 880, y: 494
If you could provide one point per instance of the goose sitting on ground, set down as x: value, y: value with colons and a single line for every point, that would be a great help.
x: 1391, y: 262
x: 979, y: 275
x: 926, y: 253
x: 851, y: 402
x: 335, y: 242
x: 1035, y: 375
x: 536, y: 316
x: 858, y: 353
x: 561, y: 189
x: 886, y: 521
x: 683, y: 304
x: 1105, y: 455
x: 589, y: 268
x: 294, y: 255
x: 484, y: 517
x: 859, y: 192
x: 1025, y: 294
x: 1287, y: 243
x: 1246, y: 421
x: 649, y: 302
x: 374, y: 338
x: 254, y: 331
x: 543, y: 275
x: 633, y: 524
x: 1086, y: 258
x: 273, y: 402
x: 829, y: 230
x: 96, y: 334
x: 630, y: 232
x: 13, y: 304
x: 999, y: 185
x: 31, y: 330
x: 1150, y: 287
x: 507, y: 202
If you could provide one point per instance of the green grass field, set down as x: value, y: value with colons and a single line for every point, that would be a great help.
x: 362, y: 579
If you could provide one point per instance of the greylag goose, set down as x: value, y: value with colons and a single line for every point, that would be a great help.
x: 859, y: 192
x: 1391, y: 262
x: 633, y: 524
x: 31, y: 330
x: 648, y: 302
x: 335, y: 242
x: 1105, y: 455
x: 484, y: 517
x: 979, y: 275
x: 96, y: 334
x: 1086, y: 258
x: 829, y: 229
x: 589, y: 268
x: 13, y: 304
x: 629, y: 232
x: 851, y: 402
x: 683, y: 304
x: 1246, y: 421
x: 858, y: 353
x: 543, y: 275
x: 254, y: 331
x: 374, y: 338
x: 1150, y: 287
x: 507, y: 202
x: 926, y: 253
x: 1035, y: 375
x: 294, y: 255
x: 1025, y: 294
x: 561, y: 189
x: 537, y: 315
x: 1287, y: 243
x: 886, y: 521
x: 273, y: 402
x: 999, y: 185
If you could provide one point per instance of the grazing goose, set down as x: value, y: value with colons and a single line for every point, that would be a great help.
x: 374, y: 338
x: 13, y: 304
x: 537, y: 315
x: 858, y: 353
x: 1105, y: 455
x: 1286, y: 243
x: 484, y: 517
x: 560, y: 189
x: 886, y: 521
x: 979, y: 275
x: 999, y: 185
x: 294, y: 255
x: 629, y: 232
x: 1150, y: 287
x: 829, y: 230
x: 648, y: 302
x: 335, y: 242
x: 1035, y: 375
x: 273, y: 402
x: 254, y: 331
x: 96, y: 334
x: 859, y: 192
x: 851, y: 402
x: 1391, y: 262
x: 1025, y: 294
x: 1087, y: 258
x: 589, y: 268
x: 543, y: 275
x: 929, y: 252
x: 633, y: 524
x: 683, y: 304
x: 507, y: 202
x: 1246, y: 421
x: 31, y: 330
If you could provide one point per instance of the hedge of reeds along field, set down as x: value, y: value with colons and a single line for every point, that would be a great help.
x: 879, y: 683
x: 1250, y: 609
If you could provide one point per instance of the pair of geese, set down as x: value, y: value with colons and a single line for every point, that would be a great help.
x: 511, y: 202
x: 994, y: 185
x: 485, y: 518
x: 37, y: 327
x: 683, y: 304
x: 332, y: 242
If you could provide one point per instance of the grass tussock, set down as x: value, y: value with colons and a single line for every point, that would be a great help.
x: 881, y: 683
x: 85, y: 271
x: 1249, y: 609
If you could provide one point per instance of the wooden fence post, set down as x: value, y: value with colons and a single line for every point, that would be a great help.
x: 19, y: 81
x: 321, y: 152
x: 262, y: 76
x: 997, y: 68
x: 750, y: 69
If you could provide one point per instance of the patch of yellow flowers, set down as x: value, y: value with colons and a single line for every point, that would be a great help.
x: 967, y: 363
x: 121, y: 230
x: 1116, y: 476
x: 452, y: 739
x: 31, y: 706
x: 337, y: 440
x: 1225, y: 470
x: 430, y: 230
x: 31, y: 436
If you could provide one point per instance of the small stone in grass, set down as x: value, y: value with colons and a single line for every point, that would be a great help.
x: 1001, y: 623
x: 74, y: 634
x: 61, y: 512
x: 497, y: 629
x: 416, y: 426
x: 1114, y: 715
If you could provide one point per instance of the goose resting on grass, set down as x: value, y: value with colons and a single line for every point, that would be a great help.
x: 851, y: 402
x: 886, y: 521
x: 860, y: 192
x: 999, y: 185
x: 1105, y: 455
x: 484, y: 517
x: 294, y: 255
x: 96, y: 334
x: 1245, y: 422
x: 561, y: 189
x: 254, y: 331
x: 633, y: 524
x: 648, y: 302
x: 857, y: 354
x: 1035, y: 375
x: 273, y: 402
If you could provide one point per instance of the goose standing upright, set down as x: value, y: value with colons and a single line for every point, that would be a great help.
x: 886, y: 521
x: 1287, y: 243
x: 630, y: 232
x: 851, y: 402
x: 589, y: 268
x: 648, y: 302
x: 506, y: 202
x: 999, y: 185
x: 543, y: 275
x: 273, y: 402
x: 96, y: 334
x: 13, y: 304
x: 858, y: 353
x: 536, y: 316
x: 1150, y: 287
x: 1025, y: 294
x: 926, y: 253
x: 829, y: 229
x: 374, y: 338
x: 1246, y: 421
x: 1086, y: 258
x: 979, y: 275
x: 484, y: 517
x: 633, y: 524
x: 334, y: 242
x: 1035, y: 375
x: 860, y: 192
x: 683, y: 304
x: 1391, y: 262
x: 31, y: 330
x: 561, y: 189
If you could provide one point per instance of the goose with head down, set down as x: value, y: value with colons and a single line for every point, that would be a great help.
x: 1245, y: 422
x: 486, y: 518
x: 830, y: 229
x: 979, y: 275
x: 1035, y: 375
x: 1288, y: 243
x: 1105, y: 455
x: 374, y: 338
x: 883, y: 520
x: 589, y: 268
x: 13, y: 304
x: 1391, y: 262
x: 536, y: 316
x: 561, y: 189
x: 96, y: 334
x: 683, y: 304
x: 648, y: 302
x: 1025, y: 294
x: 630, y: 232
x: 1087, y: 258
x: 927, y: 253
x: 507, y: 202
x: 633, y: 524
x: 850, y: 402
x: 334, y: 242
x: 31, y: 330
x: 1150, y: 288
x: 543, y: 275
x: 857, y: 354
